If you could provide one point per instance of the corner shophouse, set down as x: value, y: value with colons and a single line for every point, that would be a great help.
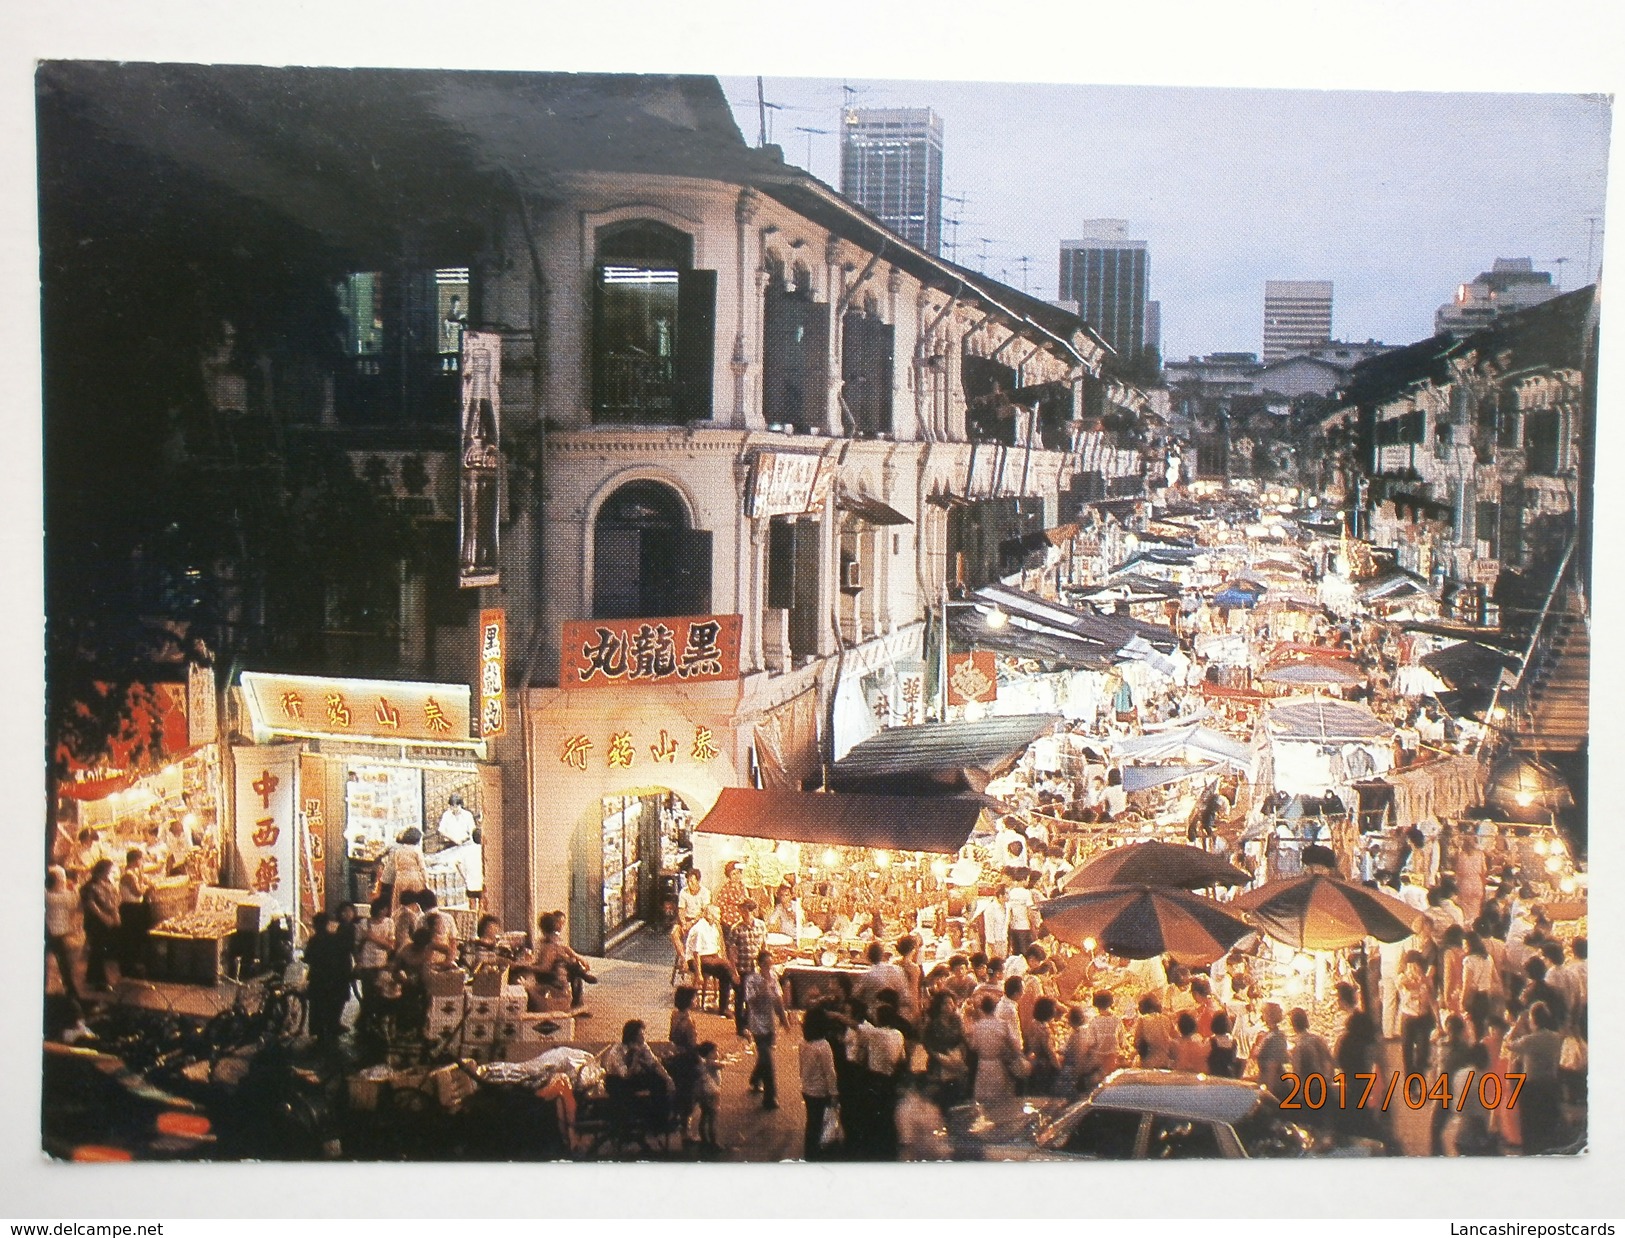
x: 803, y: 459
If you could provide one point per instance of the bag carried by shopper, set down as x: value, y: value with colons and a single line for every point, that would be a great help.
x: 830, y: 1134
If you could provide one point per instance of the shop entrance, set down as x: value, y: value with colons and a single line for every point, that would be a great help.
x: 384, y: 799
x: 647, y: 841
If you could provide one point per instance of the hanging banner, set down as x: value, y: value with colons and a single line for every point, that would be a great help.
x: 596, y: 653
x: 266, y: 823
x: 313, y: 819
x: 972, y: 677
x: 481, y: 459
x: 493, y: 713
x: 909, y: 707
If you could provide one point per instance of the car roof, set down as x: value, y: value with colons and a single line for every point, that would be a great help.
x: 1179, y: 1094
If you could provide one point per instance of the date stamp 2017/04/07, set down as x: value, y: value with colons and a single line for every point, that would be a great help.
x: 1416, y: 1091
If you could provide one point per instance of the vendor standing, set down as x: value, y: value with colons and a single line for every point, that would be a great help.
x: 456, y: 823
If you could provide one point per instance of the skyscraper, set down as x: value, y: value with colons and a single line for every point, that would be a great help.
x: 1108, y: 275
x: 1297, y: 316
x: 1511, y: 284
x: 891, y: 166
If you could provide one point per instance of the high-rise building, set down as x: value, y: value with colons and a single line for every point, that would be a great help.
x: 1107, y: 274
x: 1297, y: 316
x: 891, y: 166
x: 1153, y: 327
x: 1511, y: 284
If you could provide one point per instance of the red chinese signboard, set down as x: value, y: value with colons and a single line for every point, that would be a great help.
x: 598, y: 653
x: 972, y: 677
x: 493, y: 715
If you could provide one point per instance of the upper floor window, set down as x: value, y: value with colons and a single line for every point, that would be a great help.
x: 654, y: 327
x: 647, y: 562
x: 866, y: 371
x: 402, y: 345
x: 795, y: 353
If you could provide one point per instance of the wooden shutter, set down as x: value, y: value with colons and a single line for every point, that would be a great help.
x: 696, y: 343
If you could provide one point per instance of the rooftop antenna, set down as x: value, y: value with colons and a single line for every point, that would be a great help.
x: 1024, y: 260
x: 1558, y: 263
x: 986, y: 241
x: 809, y: 132
x: 761, y: 114
x: 953, y: 241
x: 1591, y: 241
x: 769, y: 109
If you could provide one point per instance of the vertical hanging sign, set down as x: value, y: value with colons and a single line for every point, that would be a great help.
x: 478, y: 509
x: 313, y: 819
x: 266, y: 821
x: 493, y: 713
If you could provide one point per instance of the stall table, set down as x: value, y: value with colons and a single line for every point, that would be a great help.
x: 803, y: 983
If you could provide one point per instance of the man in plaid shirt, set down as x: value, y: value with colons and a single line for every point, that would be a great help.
x: 745, y: 941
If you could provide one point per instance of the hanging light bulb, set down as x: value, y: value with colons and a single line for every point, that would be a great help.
x: 882, y: 860
x: 1568, y: 885
x: 1554, y: 864
x: 997, y: 618
x: 829, y: 857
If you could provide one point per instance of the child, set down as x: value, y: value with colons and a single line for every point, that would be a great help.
x: 708, y: 1092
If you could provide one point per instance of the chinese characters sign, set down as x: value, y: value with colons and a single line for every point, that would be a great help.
x: 313, y: 854
x: 789, y: 484
x: 596, y: 653
x: 481, y: 459
x: 306, y: 706
x: 626, y: 750
x: 972, y: 677
x: 493, y: 648
x: 267, y: 850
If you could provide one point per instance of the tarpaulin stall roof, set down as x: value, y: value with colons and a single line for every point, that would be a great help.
x: 938, y: 756
x: 1314, y: 671
x: 968, y: 631
x: 1468, y: 664
x: 1194, y: 740
x: 1113, y: 630
x: 1144, y: 777
x: 1325, y: 721
x: 839, y: 819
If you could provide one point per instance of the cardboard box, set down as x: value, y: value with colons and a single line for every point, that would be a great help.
x: 444, y: 983
x: 484, y: 1008
x: 446, y: 1008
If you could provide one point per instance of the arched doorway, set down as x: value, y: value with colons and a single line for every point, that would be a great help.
x: 647, y: 562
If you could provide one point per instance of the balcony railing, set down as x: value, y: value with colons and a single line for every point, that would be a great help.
x: 635, y: 387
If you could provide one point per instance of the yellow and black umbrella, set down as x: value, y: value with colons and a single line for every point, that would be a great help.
x: 1142, y: 922
x: 1317, y: 912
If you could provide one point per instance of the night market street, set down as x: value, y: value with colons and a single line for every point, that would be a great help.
x: 491, y: 633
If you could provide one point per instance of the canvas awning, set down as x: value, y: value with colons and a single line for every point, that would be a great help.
x: 938, y: 757
x: 873, y: 511
x: 839, y: 819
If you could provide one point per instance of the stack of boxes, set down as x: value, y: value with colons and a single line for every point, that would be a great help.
x: 488, y: 1020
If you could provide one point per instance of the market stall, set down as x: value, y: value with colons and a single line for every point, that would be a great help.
x: 861, y: 867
